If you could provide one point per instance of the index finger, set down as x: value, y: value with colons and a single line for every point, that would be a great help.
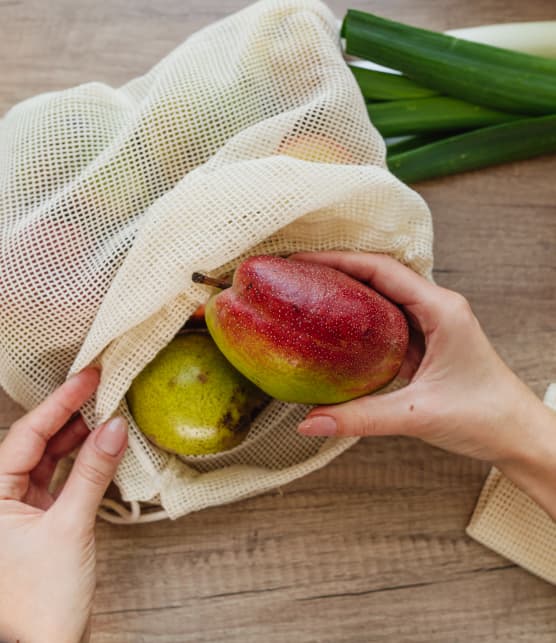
x: 388, y: 276
x: 398, y: 282
x: 23, y: 447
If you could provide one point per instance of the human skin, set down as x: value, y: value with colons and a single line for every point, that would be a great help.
x: 461, y: 396
x: 47, y: 553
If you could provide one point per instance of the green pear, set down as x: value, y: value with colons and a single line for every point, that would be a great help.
x: 191, y: 401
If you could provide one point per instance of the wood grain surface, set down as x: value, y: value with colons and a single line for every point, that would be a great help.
x: 371, y: 548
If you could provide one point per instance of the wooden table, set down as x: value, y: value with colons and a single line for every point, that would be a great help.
x: 372, y: 548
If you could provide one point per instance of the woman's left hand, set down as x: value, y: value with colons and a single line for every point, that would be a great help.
x: 47, y: 543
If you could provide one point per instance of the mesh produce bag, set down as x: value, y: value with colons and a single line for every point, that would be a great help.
x: 250, y: 138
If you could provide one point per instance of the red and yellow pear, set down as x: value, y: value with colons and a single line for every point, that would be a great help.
x: 305, y: 332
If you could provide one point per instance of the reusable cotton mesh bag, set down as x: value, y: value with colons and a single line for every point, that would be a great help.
x: 250, y: 138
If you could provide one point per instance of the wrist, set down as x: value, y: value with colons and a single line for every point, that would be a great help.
x: 532, y: 463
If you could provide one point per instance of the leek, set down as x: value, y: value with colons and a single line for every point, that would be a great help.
x: 435, y: 114
x: 380, y: 85
x: 398, y: 144
x: 489, y: 76
x: 512, y: 141
x: 537, y: 38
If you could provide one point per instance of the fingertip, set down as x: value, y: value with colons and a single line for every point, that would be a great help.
x: 83, y: 384
x: 301, y: 255
x: 93, y: 371
x: 111, y: 437
x: 88, y: 378
x: 319, y: 425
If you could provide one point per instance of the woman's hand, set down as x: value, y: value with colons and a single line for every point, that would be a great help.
x: 461, y: 397
x: 47, y: 544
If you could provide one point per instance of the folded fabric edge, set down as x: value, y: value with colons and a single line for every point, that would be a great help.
x: 483, y: 528
x: 484, y: 524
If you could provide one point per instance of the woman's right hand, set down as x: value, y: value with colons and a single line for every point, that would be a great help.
x: 461, y: 396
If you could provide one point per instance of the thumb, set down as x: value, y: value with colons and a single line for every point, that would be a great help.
x: 92, y: 471
x: 390, y: 414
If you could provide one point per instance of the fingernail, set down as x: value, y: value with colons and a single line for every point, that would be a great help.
x: 318, y: 425
x: 111, y: 436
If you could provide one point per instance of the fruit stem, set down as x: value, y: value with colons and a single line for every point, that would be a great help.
x: 200, y: 278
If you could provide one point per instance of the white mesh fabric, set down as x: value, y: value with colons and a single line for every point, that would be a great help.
x: 251, y: 137
x: 508, y: 521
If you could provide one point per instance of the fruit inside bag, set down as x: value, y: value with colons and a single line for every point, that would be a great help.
x: 191, y: 401
x: 251, y: 138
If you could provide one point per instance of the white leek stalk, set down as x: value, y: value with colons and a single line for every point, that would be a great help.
x: 538, y: 38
